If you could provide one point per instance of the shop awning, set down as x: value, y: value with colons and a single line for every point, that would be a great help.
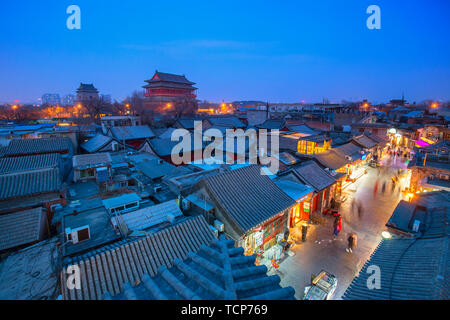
x: 423, y: 142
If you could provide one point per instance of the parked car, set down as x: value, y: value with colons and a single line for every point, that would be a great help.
x: 322, y: 287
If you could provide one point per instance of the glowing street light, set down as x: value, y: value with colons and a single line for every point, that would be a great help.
x: 386, y: 235
x: 15, y: 107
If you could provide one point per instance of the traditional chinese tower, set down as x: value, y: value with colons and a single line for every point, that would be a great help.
x: 164, y: 88
x: 86, y: 92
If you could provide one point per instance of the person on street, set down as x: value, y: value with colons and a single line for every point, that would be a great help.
x: 375, y: 189
x: 383, y: 188
x: 360, y: 209
x: 333, y: 203
x: 337, y: 225
x: 351, y: 242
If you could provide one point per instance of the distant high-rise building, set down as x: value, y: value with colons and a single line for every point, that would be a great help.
x: 52, y: 99
x: 86, y: 92
x: 68, y: 100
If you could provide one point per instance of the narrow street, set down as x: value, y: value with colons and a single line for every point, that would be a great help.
x: 322, y: 251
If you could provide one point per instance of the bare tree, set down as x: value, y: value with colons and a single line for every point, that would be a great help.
x: 184, y: 106
x: 94, y: 106
x: 136, y: 102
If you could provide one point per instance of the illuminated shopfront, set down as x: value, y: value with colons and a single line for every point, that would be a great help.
x: 301, y: 211
x: 264, y: 236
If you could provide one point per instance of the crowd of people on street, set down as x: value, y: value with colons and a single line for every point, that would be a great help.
x: 389, y: 176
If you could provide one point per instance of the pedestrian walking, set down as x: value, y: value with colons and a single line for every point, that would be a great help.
x: 375, y: 189
x: 337, y: 225
x: 383, y: 188
x: 352, y: 238
x: 360, y: 209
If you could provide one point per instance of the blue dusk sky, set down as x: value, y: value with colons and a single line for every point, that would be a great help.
x: 277, y: 51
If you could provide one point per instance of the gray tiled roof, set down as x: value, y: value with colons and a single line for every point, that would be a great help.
x: 28, y: 163
x: 132, y: 132
x: 91, y: 159
x: 348, y: 149
x: 187, y: 123
x: 365, y: 141
x: 273, y: 124
x: 148, y: 217
x: 20, y: 228
x: 35, y: 146
x: 331, y: 159
x: 412, y: 268
x: 170, y: 77
x: 404, y: 215
x: 96, y: 143
x: 313, y: 175
x: 247, y: 197
x: 216, y: 272
x: 110, y: 269
x: 164, y: 147
x: 302, y: 128
x: 226, y: 121
x: 87, y: 87
x: 29, y: 183
x: 155, y: 168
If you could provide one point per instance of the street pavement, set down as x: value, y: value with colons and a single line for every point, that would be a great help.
x: 322, y: 251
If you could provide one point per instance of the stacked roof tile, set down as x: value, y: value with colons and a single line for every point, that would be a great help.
x: 96, y: 143
x: 365, y: 141
x: 313, y: 175
x: 92, y: 159
x: 331, y: 159
x: 132, y: 132
x: 109, y: 270
x: 218, y: 271
x: 21, y: 147
x: 248, y: 197
x: 29, y: 183
x: 29, y: 163
x: 20, y: 228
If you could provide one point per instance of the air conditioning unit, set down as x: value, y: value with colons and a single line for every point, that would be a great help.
x: 215, y: 231
x: 348, y: 158
x: 78, y: 234
x: 219, y: 225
